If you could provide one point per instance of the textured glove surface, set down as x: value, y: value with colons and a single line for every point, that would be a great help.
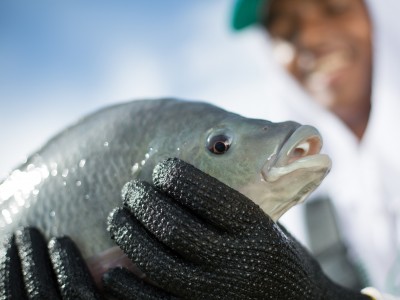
x: 31, y: 270
x: 199, y: 239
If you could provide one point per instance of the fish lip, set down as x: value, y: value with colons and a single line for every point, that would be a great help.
x: 272, y: 159
x: 304, y: 138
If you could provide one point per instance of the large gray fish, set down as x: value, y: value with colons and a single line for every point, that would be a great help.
x: 72, y: 183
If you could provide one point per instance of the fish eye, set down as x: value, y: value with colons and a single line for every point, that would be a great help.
x: 219, y: 143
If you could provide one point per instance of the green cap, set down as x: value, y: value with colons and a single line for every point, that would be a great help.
x: 246, y: 13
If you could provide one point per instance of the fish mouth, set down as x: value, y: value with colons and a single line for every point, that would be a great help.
x: 301, y: 150
x: 291, y: 173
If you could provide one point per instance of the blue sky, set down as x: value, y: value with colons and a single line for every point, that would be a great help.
x: 60, y: 60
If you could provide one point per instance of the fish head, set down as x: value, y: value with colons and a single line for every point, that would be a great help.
x: 276, y: 165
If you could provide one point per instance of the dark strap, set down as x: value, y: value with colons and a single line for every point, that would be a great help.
x: 328, y: 246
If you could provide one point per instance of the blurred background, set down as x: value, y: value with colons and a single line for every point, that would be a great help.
x: 60, y: 60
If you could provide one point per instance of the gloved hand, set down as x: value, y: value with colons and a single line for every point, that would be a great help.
x: 199, y: 239
x: 29, y: 269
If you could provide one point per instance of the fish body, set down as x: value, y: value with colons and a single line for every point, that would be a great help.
x: 70, y: 185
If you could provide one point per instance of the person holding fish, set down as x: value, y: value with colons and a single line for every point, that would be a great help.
x: 340, y: 56
x: 195, y: 237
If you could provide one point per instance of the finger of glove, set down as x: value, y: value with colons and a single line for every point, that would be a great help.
x: 205, y: 195
x: 39, y: 278
x: 11, y: 279
x: 169, y: 222
x: 72, y: 273
x: 122, y: 284
x: 159, y: 263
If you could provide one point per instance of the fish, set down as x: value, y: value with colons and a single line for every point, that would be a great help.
x: 70, y: 185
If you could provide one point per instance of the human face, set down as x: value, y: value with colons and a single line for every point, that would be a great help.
x: 331, y: 45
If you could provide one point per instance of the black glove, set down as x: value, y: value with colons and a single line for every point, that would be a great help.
x: 199, y: 239
x: 29, y: 269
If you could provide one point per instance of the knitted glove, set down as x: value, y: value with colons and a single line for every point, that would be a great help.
x: 29, y: 269
x: 199, y: 239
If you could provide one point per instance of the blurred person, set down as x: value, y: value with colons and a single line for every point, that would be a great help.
x: 342, y: 56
